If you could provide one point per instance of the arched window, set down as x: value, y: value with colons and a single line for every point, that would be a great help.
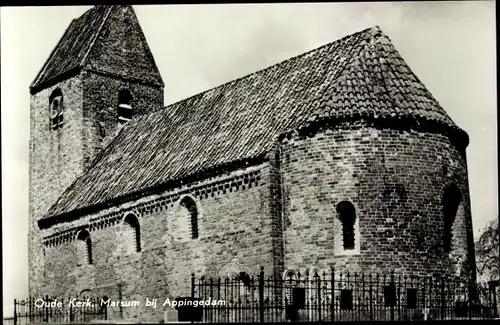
x: 347, y: 216
x: 134, y: 230
x: 84, y: 248
x: 56, y: 109
x: 125, y: 111
x: 451, y: 201
x: 190, y: 205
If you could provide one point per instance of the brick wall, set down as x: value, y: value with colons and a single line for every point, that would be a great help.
x: 235, y: 222
x: 395, y: 181
x: 100, y: 102
x: 56, y: 158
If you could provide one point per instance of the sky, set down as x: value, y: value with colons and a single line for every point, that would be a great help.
x: 449, y: 45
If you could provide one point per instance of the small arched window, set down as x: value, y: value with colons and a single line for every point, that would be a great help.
x: 56, y: 109
x: 347, y: 216
x: 451, y: 201
x: 125, y: 111
x: 134, y: 229
x: 190, y: 205
x: 84, y: 249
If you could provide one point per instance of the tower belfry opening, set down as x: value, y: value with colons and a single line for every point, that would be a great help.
x: 125, y: 111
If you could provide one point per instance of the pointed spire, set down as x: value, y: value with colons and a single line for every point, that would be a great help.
x: 82, y: 45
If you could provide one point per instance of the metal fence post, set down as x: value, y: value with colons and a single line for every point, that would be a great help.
x: 320, y: 300
x: 398, y: 297
x: 70, y: 311
x: 443, y: 301
x: 261, y: 294
x: 30, y: 309
x: 317, y: 278
x: 371, y: 297
x: 105, y: 311
x: 15, y: 312
x: 192, y: 285
x: 333, y: 292
x: 46, y: 309
x: 120, y: 297
x: 393, y: 285
x: 50, y: 308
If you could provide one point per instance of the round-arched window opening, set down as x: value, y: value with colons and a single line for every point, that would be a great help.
x: 347, y: 215
x: 132, y: 222
x: 84, y: 246
x: 56, y: 109
x: 190, y: 205
x: 452, y: 198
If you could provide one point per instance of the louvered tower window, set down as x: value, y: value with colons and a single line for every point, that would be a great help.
x: 125, y: 111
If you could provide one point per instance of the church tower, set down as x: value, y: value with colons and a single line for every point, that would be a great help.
x: 99, y: 76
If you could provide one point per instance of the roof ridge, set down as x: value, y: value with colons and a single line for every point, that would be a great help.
x: 383, y: 64
x: 82, y: 63
x: 147, y: 47
x: 375, y: 49
x: 351, y: 58
x: 269, y: 67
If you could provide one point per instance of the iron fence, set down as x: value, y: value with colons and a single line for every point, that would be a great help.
x: 340, y: 297
x: 53, y: 310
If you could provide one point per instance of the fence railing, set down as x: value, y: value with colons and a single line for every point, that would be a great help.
x: 340, y: 297
x: 53, y: 310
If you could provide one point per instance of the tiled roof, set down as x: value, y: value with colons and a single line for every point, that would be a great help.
x: 74, y: 46
x: 359, y: 75
x: 73, y: 51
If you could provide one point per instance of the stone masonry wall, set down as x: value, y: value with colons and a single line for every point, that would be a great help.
x: 56, y: 159
x: 235, y: 221
x: 395, y: 180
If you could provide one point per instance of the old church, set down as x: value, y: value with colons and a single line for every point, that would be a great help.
x: 336, y: 157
